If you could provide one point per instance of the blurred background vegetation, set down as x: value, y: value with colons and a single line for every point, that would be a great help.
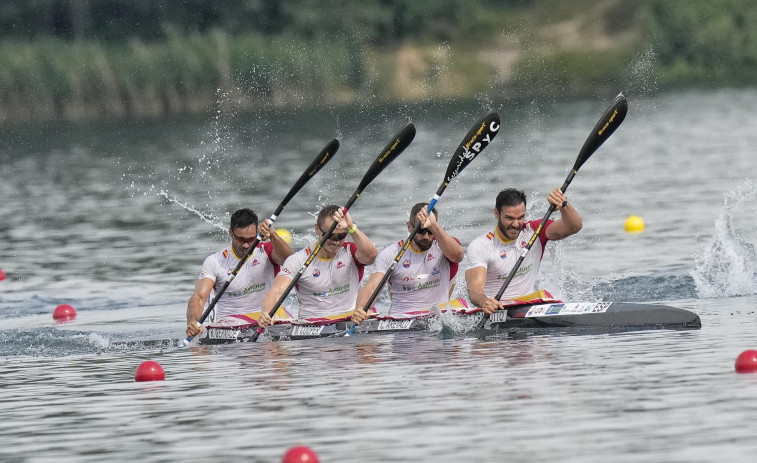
x: 84, y: 59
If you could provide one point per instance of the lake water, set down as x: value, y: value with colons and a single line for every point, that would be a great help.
x: 115, y: 218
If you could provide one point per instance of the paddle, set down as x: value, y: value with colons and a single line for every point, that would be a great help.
x: 477, y: 138
x: 605, y: 127
x: 395, y: 147
x: 323, y: 157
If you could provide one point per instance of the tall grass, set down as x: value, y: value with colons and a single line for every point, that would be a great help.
x: 58, y: 79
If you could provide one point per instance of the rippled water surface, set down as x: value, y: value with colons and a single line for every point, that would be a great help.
x: 116, y: 219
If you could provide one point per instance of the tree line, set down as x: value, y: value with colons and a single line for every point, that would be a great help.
x: 78, y: 59
x: 376, y: 21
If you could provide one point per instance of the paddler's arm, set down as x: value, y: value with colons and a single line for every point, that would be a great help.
x: 196, y: 305
x: 366, y: 251
x: 569, y: 223
x: 280, y: 284
x: 362, y: 297
x: 475, y: 279
x: 452, y: 250
x: 281, y: 250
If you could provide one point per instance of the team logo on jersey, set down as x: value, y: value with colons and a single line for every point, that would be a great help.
x: 430, y: 256
x: 339, y: 264
x: 435, y: 271
x: 502, y: 254
x: 406, y: 264
x: 255, y: 262
x: 316, y: 273
x: 407, y: 278
x: 523, y: 244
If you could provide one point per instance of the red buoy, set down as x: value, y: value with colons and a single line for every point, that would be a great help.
x: 149, y: 371
x: 2, y: 275
x: 746, y: 362
x: 64, y: 312
x: 300, y: 454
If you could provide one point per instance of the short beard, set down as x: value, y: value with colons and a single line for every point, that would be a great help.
x: 503, y: 230
x: 420, y: 246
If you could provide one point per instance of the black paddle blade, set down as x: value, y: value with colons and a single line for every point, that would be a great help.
x: 477, y: 138
x: 393, y: 149
x: 605, y: 127
x: 323, y: 157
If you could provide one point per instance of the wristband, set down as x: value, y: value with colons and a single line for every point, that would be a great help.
x: 352, y: 229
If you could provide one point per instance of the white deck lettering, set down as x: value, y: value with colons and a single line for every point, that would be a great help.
x: 500, y: 316
x: 307, y: 330
x: 220, y: 333
x: 394, y: 324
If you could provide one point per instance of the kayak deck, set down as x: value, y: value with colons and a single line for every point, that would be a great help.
x: 593, y: 317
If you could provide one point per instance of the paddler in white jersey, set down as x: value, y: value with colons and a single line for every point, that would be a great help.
x: 492, y: 255
x: 245, y: 294
x: 424, y: 275
x: 330, y: 284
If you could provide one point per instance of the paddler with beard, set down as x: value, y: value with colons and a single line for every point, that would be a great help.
x: 424, y: 276
x: 492, y: 255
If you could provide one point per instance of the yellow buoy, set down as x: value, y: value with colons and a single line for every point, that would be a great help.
x: 285, y: 234
x: 634, y: 224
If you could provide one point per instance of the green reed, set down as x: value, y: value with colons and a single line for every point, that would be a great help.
x: 59, y: 79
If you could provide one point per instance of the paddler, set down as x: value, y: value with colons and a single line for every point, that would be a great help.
x: 330, y: 284
x: 492, y: 255
x: 424, y: 276
x: 246, y: 292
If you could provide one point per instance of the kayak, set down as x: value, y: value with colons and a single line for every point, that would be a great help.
x: 541, y: 315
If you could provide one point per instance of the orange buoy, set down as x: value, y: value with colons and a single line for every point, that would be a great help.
x: 746, y: 362
x: 300, y: 454
x: 2, y: 275
x: 149, y: 371
x: 64, y: 312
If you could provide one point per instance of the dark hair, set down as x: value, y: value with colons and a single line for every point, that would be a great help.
x: 417, y: 208
x: 510, y: 197
x: 243, y: 218
x: 327, y: 211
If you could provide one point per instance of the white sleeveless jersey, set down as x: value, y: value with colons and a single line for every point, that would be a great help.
x: 420, y: 279
x: 499, y: 257
x: 327, y: 287
x: 245, y: 294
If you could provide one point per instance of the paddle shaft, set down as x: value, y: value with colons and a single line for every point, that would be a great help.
x: 606, y: 126
x: 398, y: 144
x: 477, y: 138
x: 390, y: 270
x: 303, y: 267
x: 398, y: 257
x: 323, y: 157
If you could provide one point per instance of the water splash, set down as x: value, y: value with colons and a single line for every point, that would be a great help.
x: 727, y: 266
x: 209, y: 218
x: 642, y: 78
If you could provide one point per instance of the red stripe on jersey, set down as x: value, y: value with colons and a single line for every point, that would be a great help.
x: 360, y: 267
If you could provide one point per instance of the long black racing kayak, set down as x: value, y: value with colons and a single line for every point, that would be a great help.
x: 571, y: 317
